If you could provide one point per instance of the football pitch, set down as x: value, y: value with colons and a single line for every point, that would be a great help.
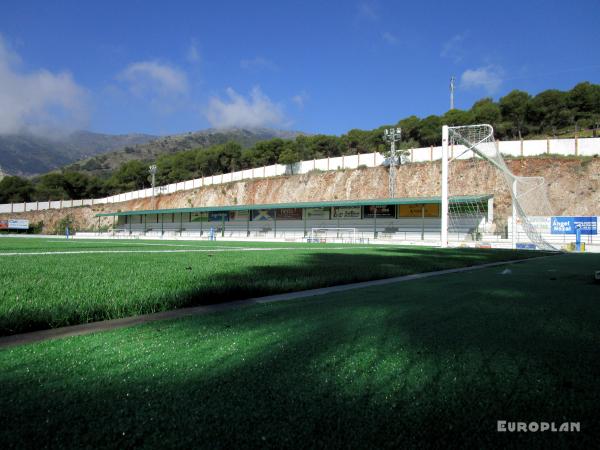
x: 49, y: 283
x: 436, y: 361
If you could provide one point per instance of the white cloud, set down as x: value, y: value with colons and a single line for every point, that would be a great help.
x: 389, y: 38
x: 193, y: 55
x: 238, y: 111
x: 453, y: 48
x: 38, y: 101
x: 300, y: 99
x: 153, y: 78
x: 367, y: 10
x: 257, y: 64
x: 488, y: 78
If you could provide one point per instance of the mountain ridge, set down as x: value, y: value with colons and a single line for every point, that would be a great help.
x: 104, y: 164
x: 26, y: 154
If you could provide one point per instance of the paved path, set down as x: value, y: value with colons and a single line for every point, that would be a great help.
x: 78, y: 330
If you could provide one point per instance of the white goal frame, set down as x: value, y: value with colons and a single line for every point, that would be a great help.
x: 529, y: 193
x: 314, y: 238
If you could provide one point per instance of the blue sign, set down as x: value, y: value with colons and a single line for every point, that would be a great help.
x: 525, y: 246
x: 568, y: 225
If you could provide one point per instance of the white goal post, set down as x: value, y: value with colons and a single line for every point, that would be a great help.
x: 529, y: 194
x: 332, y: 235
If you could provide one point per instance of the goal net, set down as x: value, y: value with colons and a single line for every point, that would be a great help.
x: 344, y: 235
x: 528, y: 194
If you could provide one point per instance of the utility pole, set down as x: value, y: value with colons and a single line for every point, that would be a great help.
x: 452, y: 80
x: 152, y: 169
x: 392, y: 135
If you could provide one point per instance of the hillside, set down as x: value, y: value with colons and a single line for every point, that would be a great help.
x: 574, y: 184
x: 29, y: 154
x: 103, y: 164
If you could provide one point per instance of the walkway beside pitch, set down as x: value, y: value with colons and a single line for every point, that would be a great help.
x: 88, y: 328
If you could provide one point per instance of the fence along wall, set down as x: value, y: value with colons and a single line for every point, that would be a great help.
x: 565, y: 147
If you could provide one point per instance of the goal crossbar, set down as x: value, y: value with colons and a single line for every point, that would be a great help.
x: 332, y: 233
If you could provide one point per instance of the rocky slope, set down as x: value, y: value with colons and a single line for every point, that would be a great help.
x: 573, y: 184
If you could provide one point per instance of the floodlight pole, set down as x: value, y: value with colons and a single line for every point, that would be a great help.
x: 452, y: 80
x: 444, y: 213
x: 392, y: 135
x: 152, y: 169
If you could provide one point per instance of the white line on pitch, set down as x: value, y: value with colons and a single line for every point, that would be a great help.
x: 240, y: 249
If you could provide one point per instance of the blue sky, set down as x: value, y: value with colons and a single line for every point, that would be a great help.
x: 315, y: 66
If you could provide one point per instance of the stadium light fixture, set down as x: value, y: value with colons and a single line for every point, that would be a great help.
x: 392, y: 135
x: 152, y: 170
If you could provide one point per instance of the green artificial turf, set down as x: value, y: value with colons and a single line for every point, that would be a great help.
x: 433, y: 362
x: 46, y: 291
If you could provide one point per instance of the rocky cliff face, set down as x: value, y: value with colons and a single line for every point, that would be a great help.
x: 573, y: 185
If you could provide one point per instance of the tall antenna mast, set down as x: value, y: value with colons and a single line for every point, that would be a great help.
x: 452, y: 80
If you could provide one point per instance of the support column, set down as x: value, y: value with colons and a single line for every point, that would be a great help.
x: 375, y: 222
x: 423, y: 222
x: 275, y: 223
x: 444, y: 212
x: 304, y: 214
x: 490, y: 214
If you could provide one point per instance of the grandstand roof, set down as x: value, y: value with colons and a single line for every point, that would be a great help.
x: 322, y: 204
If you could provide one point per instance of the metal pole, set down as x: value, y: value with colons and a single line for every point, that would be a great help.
x: 514, y: 215
x: 452, y: 80
x: 444, y: 231
x: 423, y: 222
x: 375, y: 222
x: 304, y: 213
x: 152, y: 169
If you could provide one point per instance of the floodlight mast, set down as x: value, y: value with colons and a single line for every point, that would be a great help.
x: 152, y: 170
x: 452, y: 80
x: 392, y: 135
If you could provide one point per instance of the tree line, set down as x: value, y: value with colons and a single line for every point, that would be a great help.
x: 517, y: 115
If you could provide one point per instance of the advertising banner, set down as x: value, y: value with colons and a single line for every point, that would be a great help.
x: 18, y: 224
x: 383, y: 212
x: 289, y: 214
x: 263, y: 214
x: 243, y: 215
x: 199, y: 217
x: 540, y: 223
x: 418, y: 209
x: 3, y: 224
x: 318, y: 213
x: 568, y: 225
x: 346, y: 212
x: 220, y: 216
